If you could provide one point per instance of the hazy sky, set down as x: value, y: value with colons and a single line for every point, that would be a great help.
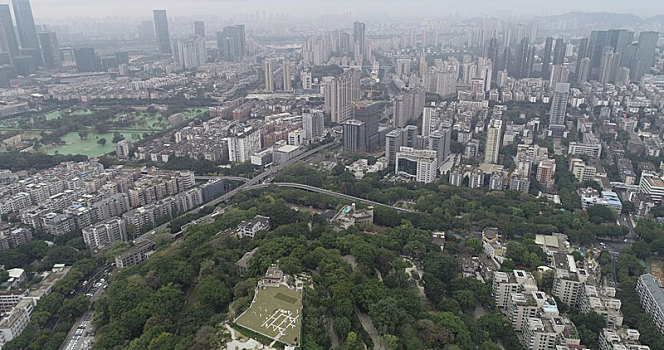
x: 47, y: 9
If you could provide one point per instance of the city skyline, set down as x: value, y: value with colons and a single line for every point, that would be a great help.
x: 50, y: 9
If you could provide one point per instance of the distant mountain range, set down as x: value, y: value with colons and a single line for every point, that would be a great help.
x: 613, y: 20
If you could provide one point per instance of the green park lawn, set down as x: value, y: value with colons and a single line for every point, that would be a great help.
x: 88, y: 147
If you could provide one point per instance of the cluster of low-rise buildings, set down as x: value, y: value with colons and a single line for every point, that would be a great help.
x: 219, y: 139
x: 106, y: 205
x: 535, y: 315
x: 17, y: 305
x: 102, y: 87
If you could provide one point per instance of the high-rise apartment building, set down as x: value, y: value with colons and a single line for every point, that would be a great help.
x: 559, y: 74
x: 558, y: 110
x: 583, y: 70
x: 408, y: 106
x: 103, y: 234
x: 286, y: 70
x: 440, y: 141
x: 307, y: 80
x: 190, y: 53
x: 429, y: 120
x: 393, y: 142
x: 507, y: 283
x: 269, y: 75
x: 569, y: 279
x: 162, y: 31
x: 546, y: 172
x: 341, y: 93
x: 314, y: 124
x: 241, y: 147
x: 493, y: 141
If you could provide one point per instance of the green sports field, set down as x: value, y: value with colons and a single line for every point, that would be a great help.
x: 276, y: 313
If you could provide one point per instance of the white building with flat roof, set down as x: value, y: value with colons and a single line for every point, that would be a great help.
x: 505, y: 284
x: 416, y: 164
x: 653, y: 185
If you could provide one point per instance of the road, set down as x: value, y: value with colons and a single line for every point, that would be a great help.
x: 326, y: 192
x: 82, y: 334
x: 266, y: 176
x: 230, y: 178
x: 614, y: 246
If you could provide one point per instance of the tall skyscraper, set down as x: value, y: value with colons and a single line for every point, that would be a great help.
x: 559, y: 51
x: 5, y: 55
x: 9, y: 33
x: 354, y: 136
x: 25, y: 23
x: 369, y: 113
x: 359, y: 41
x: 520, y: 67
x: 645, y: 54
x: 583, y: 70
x: 226, y: 47
x: 620, y: 39
x: 86, y: 60
x: 163, y: 34
x: 546, y: 58
x: 146, y: 31
x: 559, y: 104
x: 598, y: 40
x: 607, y: 65
x: 493, y: 141
x: 199, y: 28
x: 232, y: 43
x: 581, y: 54
x: 269, y: 75
x: 50, y: 50
x: 286, y: 70
x: 242, y: 38
x: 341, y: 93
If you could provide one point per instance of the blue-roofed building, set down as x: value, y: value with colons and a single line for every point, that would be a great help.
x: 612, y: 201
x: 650, y: 291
